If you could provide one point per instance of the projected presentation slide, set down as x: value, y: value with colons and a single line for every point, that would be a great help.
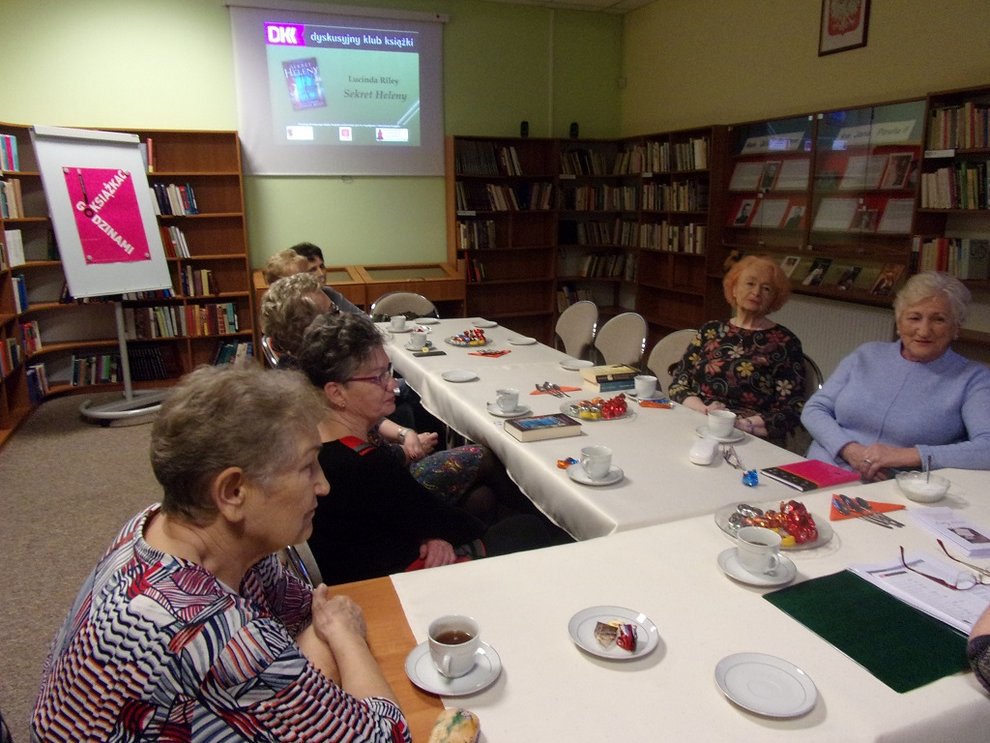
x: 334, y: 85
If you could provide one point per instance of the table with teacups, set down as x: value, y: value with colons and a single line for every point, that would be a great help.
x: 531, y: 608
x: 650, y: 445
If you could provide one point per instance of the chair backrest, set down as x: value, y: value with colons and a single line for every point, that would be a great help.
x: 622, y: 339
x: 271, y: 355
x: 799, y: 439
x: 300, y: 561
x: 667, y: 351
x: 410, y: 304
x: 576, y: 328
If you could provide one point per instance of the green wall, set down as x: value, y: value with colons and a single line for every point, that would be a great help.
x: 168, y: 64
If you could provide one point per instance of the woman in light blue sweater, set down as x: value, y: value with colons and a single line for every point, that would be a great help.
x: 903, y: 404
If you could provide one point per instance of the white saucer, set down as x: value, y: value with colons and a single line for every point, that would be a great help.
x: 577, y: 474
x: 732, y: 438
x: 484, y: 323
x: 422, y: 672
x: 459, y: 375
x: 575, y: 364
x: 408, y: 329
x: 426, y: 321
x: 729, y: 562
x: 496, y: 410
x: 428, y: 345
x: 522, y: 340
x: 766, y: 684
x: 582, y: 631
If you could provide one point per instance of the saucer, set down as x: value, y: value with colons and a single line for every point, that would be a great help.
x: 426, y: 321
x: 732, y: 438
x: 409, y: 347
x: 459, y: 375
x: 766, y: 684
x: 496, y: 410
x: 422, y: 672
x: 480, y: 323
x: 408, y: 329
x: 729, y: 562
x: 575, y: 364
x: 577, y: 474
x: 582, y: 631
x: 522, y: 340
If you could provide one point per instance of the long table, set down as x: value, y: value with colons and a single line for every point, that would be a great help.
x: 551, y: 690
x: 651, y: 446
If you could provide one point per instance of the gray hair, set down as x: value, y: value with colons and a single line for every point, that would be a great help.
x: 220, y: 417
x: 922, y: 286
x: 286, y: 311
x: 335, y: 346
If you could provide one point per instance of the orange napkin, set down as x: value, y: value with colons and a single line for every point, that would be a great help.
x: 489, y: 354
x: 562, y: 389
x: 875, y: 505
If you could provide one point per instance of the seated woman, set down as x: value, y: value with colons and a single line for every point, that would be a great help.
x: 380, y: 520
x: 978, y: 648
x: 908, y: 403
x: 748, y: 364
x: 189, y: 628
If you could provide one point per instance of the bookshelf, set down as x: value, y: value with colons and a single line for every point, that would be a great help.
x: 208, y: 317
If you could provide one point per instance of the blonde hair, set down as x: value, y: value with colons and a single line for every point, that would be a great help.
x: 284, y: 263
x: 287, y: 310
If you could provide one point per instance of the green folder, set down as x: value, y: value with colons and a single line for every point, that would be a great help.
x: 903, y: 647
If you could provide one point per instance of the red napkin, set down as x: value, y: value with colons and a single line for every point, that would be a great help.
x: 562, y: 389
x: 875, y: 505
x: 489, y: 354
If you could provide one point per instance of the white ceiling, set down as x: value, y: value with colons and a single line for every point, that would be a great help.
x: 600, y: 6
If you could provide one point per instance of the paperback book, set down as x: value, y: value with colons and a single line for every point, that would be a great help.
x: 810, y: 474
x: 540, y: 427
x: 610, y: 377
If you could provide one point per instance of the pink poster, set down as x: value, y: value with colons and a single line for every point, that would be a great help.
x: 107, y: 215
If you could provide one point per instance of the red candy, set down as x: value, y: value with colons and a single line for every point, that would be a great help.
x: 626, y: 637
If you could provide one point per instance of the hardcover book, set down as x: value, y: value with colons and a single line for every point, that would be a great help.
x: 539, y: 427
x: 810, y: 474
x: 608, y: 373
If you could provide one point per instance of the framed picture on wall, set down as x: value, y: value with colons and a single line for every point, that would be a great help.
x: 843, y: 25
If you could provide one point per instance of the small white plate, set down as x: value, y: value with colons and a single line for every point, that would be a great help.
x: 582, y: 631
x: 732, y: 438
x: 577, y: 474
x: 728, y: 560
x: 459, y: 375
x: 409, y: 347
x: 522, y: 340
x: 575, y: 364
x: 496, y: 410
x: 426, y: 321
x: 481, y: 323
x: 422, y: 672
x: 766, y: 684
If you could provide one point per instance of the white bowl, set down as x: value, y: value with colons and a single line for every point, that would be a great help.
x: 918, y: 486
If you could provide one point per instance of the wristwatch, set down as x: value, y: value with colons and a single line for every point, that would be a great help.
x: 401, y: 435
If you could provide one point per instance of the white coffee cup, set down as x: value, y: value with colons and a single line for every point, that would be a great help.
x: 596, y: 461
x: 507, y: 399
x: 646, y: 386
x: 758, y: 549
x: 454, y: 641
x: 721, y: 423
x: 397, y: 322
x: 417, y: 339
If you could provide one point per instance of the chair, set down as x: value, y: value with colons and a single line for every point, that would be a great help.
x: 667, y: 352
x: 799, y: 439
x: 410, y: 304
x: 299, y: 559
x: 271, y: 355
x: 576, y: 327
x: 622, y: 339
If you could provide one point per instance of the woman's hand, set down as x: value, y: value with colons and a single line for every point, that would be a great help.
x: 418, y: 445
x: 436, y: 552
x: 695, y: 403
x: 333, y: 615
x: 873, y: 462
x: 754, y: 424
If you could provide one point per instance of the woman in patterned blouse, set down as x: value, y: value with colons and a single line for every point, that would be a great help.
x: 189, y: 628
x: 748, y: 364
x: 978, y: 648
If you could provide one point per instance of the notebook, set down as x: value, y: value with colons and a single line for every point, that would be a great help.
x: 810, y: 474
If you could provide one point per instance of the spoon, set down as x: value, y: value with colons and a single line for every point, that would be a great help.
x: 865, y: 505
x: 749, y: 511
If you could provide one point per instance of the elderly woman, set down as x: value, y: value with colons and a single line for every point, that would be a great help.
x: 908, y: 403
x: 748, y: 364
x: 189, y: 628
x: 380, y: 520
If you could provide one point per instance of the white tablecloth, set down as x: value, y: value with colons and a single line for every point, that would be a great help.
x: 651, y: 447
x: 550, y: 690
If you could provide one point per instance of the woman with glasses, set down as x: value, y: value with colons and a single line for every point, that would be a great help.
x: 378, y: 519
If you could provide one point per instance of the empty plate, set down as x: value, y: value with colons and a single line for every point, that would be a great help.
x: 575, y: 364
x: 459, y: 375
x: 426, y: 321
x: 522, y: 340
x: 482, y: 323
x: 766, y: 684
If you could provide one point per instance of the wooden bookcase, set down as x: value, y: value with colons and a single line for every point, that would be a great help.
x: 207, y: 162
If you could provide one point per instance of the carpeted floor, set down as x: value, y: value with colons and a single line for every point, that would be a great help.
x: 66, y: 487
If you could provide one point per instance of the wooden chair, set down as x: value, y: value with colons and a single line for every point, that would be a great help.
x: 622, y: 339
x: 575, y: 328
x: 410, y: 304
x: 667, y: 352
x: 298, y: 558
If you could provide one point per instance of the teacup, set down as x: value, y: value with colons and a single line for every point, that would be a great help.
x: 721, y: 423
x: 507, y: 399
x: 758, y: 549
x: 646, y: 386
x: 417, y: 340
x: 397, y: 322
x: 596, y: 461
x: 454, y: 641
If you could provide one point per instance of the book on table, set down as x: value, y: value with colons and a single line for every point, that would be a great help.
x: 540, y: 427
x: 810, y: 474
x: 610, y: 377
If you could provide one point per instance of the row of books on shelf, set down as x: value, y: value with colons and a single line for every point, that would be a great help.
x: 834, y: 214
x: 963, y: 257
x: 878, y: 280
x: 95, y: 368
x: 153, y: 294
x: 599, y: 198
x: 663, y: 157
x: 966, y: 126
x: 484, y: 158
x: 568, y: 294
x: 691, y: 196
x: 10, y: 355
x: 11, y: 200
x: 233, y: 353
x: 174, y: 242
x: 37, y: 382
x: 586, y: 161
x: 173, y: 199
x: 151, y: 363
x: 674, y: 238
x: 475, y: 270
x: 142, y: 323
x: 198, y: 282
x: 10, y: 159
x: 499, y: 198
x: 965, y: 185
x: 476, y: 235
x: 610, y: 265
x: 595, y: 232
x: 771, y: 175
